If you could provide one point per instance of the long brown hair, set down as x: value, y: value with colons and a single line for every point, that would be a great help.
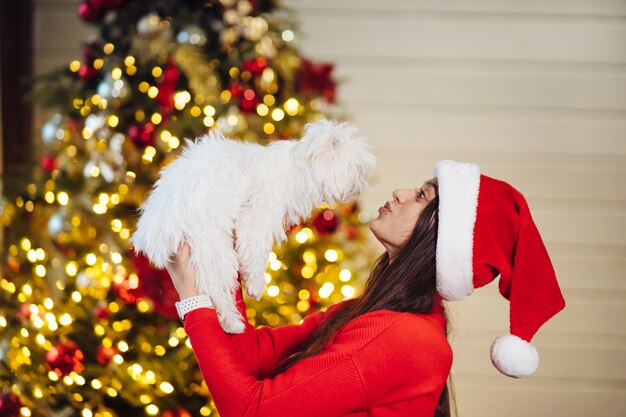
x: 408, y: 284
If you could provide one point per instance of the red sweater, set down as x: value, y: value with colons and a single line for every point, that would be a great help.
x: 381, y: 364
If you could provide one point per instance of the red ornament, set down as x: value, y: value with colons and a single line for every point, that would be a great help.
x: 127, y: 294
x: 316, y: 78
x: 156, y: 285
x: 167, y: 87
x: 13, y: 264
x: 255, y: 66
x: 87, y: 11
x: 105, y: 354
x: 177, y: 412
x: 248, y: 98
x: 101, y: 312
x: 74, y: 125
x: 142, y: 135
x: 90, y: 10
x: 256, y: 5
x: 105, y: 5
x: 91, y: 51
x: 235, y: 89
x: 325, y: 222
x: 87, y: 72
x: 23, y: 312
x: 65, y: 357
x: 48, y: 162
x: 351, y: 232
x: 10, y: 405
x: 129, y: 291
x: 249, y: 101
x: 313, y: 299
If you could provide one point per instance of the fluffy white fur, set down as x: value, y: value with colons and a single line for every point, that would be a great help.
x: 232, y: 200
x: 458, y: 201
x: 513, y: 356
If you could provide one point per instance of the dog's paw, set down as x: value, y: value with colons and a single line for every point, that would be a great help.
x: 232, y: 325
x: 255, y: 287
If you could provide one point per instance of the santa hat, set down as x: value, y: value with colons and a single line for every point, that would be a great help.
x: 486, y: 230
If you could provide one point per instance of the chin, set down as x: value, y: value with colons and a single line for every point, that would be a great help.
x: 372, y: 227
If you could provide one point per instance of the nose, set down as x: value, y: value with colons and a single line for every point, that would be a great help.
x: 401, y: 194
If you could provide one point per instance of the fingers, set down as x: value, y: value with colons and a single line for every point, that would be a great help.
x: 181, y: 272
x: 182, y: 254
x: 176, y: 265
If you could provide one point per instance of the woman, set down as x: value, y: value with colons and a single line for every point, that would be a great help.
x: 384, y: 353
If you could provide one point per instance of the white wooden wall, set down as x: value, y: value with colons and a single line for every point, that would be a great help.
x: 535, y: 92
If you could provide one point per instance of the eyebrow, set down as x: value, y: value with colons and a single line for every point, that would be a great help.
x: 429, y: 184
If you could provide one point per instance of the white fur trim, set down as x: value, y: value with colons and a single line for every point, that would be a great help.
x: 513, y: 356
x: 458, y: 201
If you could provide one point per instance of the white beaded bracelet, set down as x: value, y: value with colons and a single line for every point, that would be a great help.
x: 197, y: 301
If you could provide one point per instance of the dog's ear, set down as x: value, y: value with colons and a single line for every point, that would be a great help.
x: 319, y: 140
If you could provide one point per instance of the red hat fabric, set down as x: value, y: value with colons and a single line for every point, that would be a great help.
x: 486, y: 230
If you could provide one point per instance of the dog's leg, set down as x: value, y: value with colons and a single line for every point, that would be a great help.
x: 253, y: 243
x: 216, y: 266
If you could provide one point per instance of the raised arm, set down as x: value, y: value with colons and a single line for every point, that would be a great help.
x: 327, y: 384
x: 261, y: 349
x: 257, y: 350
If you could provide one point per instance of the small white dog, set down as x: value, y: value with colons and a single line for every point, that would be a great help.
x: 219, y: 190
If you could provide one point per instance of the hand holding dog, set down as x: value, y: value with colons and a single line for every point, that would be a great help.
x: 182, y: 273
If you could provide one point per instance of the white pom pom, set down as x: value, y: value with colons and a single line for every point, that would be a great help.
x: 514, y: 356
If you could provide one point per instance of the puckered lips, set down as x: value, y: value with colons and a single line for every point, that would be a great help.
x: 386, y: 208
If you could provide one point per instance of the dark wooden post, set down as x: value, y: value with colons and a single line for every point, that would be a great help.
x: 16, y: 67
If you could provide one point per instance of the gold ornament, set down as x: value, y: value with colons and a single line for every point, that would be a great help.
x: 203, y: 80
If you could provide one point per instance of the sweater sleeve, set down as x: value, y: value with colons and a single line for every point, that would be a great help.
x: 327, y: 384
x: 261, y: 349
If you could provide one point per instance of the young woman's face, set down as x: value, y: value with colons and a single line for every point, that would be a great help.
x: 396, y: 221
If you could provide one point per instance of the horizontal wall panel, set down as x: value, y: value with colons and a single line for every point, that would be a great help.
x: 42, y: 66
x: 544, y: 338
x: 512, y: 398
x: 554, y: 361
x: 594, y: 274
x: 59, y: 28
x: 440, y: 35
x: 485, y: 88
x: 490, y: 112
x: 462, y: 36
x: 580, y: 316
x: 473, y: 130
x: 583, y: 228
x: 565, y: 8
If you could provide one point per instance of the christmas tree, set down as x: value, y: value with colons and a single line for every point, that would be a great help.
x: 86, y: 326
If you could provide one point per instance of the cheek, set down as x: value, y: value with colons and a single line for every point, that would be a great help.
x: 407, y: 223
x: 395, y: 227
